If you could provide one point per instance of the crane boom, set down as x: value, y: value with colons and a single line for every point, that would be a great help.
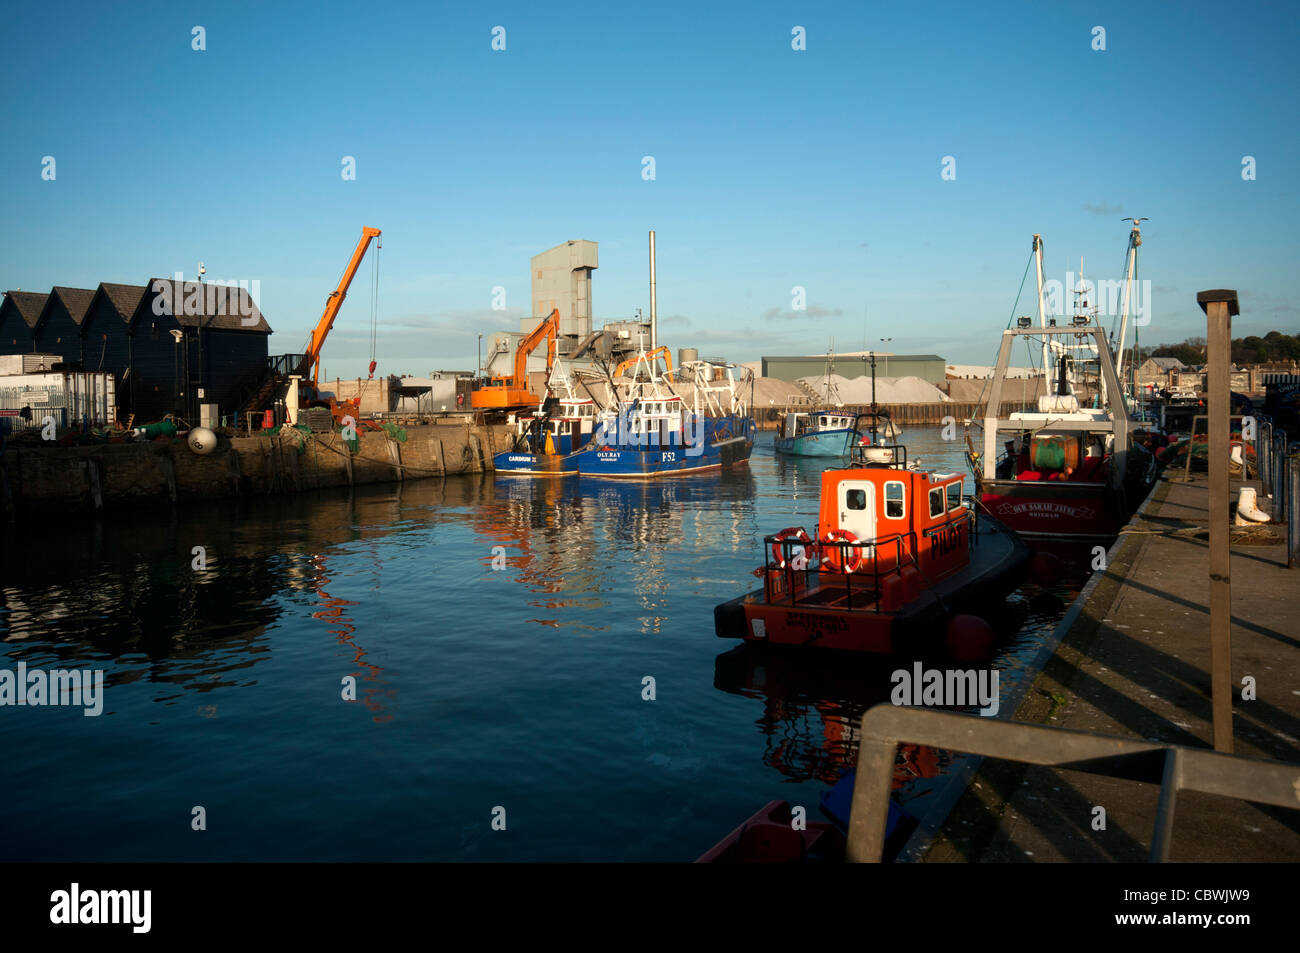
x: 332, y: 304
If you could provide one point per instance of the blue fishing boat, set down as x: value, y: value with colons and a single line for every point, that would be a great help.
x: 820, y: 434
x: 828, y: 433
x: 545, y: 443
x: 656, y: 431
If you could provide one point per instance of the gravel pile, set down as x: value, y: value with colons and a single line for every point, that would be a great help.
x: 889, y: 390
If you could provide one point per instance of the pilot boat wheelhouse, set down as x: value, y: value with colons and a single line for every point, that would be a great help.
x: 895, y: 552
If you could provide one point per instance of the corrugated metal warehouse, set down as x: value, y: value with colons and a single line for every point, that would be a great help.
x: 928, y: 367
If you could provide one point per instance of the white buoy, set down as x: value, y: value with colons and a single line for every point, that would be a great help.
x: 202, y: 440
x: 1248, y: 509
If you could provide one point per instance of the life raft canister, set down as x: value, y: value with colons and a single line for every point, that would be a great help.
x: 799, y: 535
x: 849, y: 558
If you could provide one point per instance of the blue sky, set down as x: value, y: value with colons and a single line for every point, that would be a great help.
x: 774, y: 168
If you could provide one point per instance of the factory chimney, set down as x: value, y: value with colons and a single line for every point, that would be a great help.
x: 654, y: 323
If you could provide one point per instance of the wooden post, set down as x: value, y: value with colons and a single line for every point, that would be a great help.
x: 1219, y: 307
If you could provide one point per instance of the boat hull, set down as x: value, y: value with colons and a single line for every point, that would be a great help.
x: 511, y: 463
x: 829, y: 443
x: 728, y: 443
x: 771, y: 836
x: 996, y: 567
x: 1056, y: 510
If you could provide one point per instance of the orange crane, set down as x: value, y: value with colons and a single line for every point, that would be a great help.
x: 311, y: 359
x: 512, y: 393
x: 650, y: 357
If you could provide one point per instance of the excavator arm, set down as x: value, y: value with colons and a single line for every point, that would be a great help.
x: 512, y: 393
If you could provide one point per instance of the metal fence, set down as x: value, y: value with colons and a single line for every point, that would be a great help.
x: 1279, y: 476
x: 73, y: 399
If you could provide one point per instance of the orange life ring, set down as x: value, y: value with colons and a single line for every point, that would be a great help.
x: 797, y: 533
x: 835, y: 555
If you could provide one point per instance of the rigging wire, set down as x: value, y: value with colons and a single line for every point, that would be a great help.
x: 374, y: 306
x: 1012, y: 317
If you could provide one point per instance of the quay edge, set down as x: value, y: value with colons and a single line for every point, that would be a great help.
x: 37, y: 480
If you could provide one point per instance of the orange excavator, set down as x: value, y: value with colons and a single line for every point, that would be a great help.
x: 650, y: 357
x: 312, y: 396
x: 512, y: 393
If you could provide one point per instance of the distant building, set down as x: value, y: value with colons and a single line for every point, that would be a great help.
x: 1159, y: 370
x: 561, y: 279
x: 981, y: 372
x: 19, y: 313
x: 58, y: 331
x: 928, y: 367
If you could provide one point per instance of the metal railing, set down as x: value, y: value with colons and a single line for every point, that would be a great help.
x: 284, y: 364
x: 815, y: 564
x: 1174, y: 767
x: 1279, y: 477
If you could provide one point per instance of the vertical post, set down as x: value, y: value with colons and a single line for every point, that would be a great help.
x: 654, y: 314
x: 1219, y: 307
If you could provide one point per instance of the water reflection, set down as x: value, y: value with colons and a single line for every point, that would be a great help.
x: 188, y: 599
x: 812, y: 706
x: 564, y: 537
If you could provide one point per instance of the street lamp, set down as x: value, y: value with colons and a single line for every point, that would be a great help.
x: 479, y: 373
x: 886, y: 341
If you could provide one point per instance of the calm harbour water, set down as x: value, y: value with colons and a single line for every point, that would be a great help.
x: 477, y: 688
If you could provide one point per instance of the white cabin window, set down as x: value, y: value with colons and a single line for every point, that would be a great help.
x: 954, y: 496
x: 936, y: 502
x: 856, y: 499
x: 895, y: 500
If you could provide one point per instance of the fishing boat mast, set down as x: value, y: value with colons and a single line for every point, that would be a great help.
x: 1134, y: 241
x: 1042, y: 315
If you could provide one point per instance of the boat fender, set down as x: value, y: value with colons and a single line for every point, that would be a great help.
x: 796, y: 533
x: 851, y: 556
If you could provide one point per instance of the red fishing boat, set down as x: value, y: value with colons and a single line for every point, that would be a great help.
x: 896, y: 552
x: 1071, y: 468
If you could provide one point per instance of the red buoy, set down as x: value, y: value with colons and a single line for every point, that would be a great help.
x: 268, y: 420
x: 969, y: 638
x: 1045, y: 569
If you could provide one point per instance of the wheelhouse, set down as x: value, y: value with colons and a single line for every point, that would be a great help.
x: 884, y: 533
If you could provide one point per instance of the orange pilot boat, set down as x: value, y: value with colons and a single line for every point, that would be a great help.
x: 896, y: 552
